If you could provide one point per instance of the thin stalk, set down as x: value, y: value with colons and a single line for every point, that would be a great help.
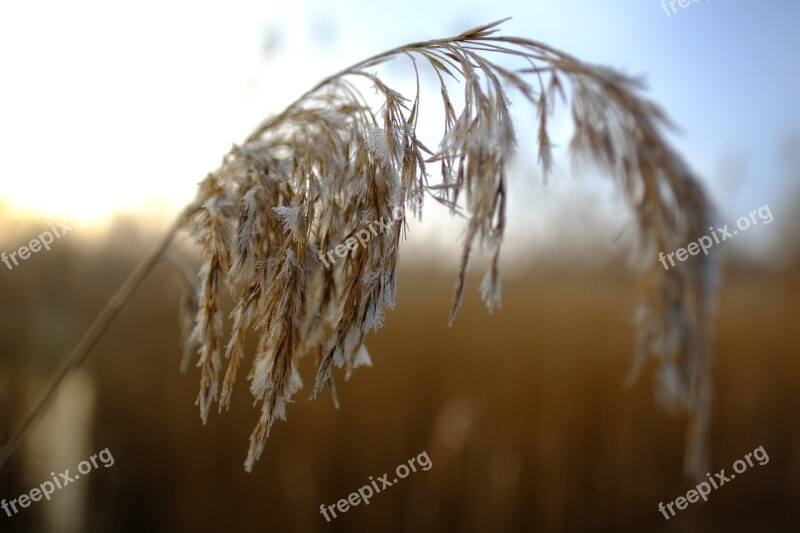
x: 92, y: 336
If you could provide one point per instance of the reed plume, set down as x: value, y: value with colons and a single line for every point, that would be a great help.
x: 312, y: 177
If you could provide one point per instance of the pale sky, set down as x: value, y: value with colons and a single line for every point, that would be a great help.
x: 123, y: 106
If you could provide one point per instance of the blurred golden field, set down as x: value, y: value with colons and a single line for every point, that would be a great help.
x: 523, y: 413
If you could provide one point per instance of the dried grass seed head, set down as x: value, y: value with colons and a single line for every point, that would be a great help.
x: 307, y: 179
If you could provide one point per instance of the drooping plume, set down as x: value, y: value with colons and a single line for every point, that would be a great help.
x: 309, y: 180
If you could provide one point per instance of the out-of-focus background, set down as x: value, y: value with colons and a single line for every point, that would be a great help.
x: 110, y: 113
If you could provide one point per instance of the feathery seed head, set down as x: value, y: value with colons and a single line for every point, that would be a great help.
x: 308, y: 180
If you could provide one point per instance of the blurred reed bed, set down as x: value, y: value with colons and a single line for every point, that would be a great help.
x: 523, y: 413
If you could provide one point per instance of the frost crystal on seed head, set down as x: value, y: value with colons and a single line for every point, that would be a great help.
x: 290, y: 217
x: 377, y: 144
x: 490, y: 290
